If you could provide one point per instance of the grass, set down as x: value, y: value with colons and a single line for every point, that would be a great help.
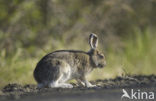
x: 136, y: 57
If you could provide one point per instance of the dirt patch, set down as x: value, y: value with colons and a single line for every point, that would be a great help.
x: 16, y: 91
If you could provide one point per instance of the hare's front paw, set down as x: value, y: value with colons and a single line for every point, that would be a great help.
x: 91, y: 86
x: 60, y: 85
x: 88, y: 84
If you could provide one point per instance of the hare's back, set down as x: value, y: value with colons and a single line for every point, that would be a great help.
x: 66, y: 54
x: 69, y: 56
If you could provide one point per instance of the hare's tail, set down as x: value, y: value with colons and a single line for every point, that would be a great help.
x: 46, y: 73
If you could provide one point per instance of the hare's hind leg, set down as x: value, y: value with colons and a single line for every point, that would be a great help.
x: 57, y: 83
x: 65, y: 73
x: 60, y: 85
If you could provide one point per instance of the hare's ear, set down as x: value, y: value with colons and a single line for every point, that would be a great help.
x: 93, y: 41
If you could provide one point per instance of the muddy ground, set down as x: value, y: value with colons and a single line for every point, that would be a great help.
x: 106, y: 90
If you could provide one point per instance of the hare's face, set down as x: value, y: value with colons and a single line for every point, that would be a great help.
x: 101, y: 60
x: 98, y: 59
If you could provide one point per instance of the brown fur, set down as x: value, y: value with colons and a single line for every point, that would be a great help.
x: 81, y: 63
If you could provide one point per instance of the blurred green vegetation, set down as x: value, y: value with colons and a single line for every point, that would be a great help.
x: 29, y: 29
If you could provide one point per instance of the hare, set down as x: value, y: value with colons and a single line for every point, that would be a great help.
x: 56, y: 68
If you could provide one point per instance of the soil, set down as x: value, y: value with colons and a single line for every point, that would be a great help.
x: 108, y: 89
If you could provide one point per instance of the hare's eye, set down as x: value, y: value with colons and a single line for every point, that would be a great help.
x: 101, y: 56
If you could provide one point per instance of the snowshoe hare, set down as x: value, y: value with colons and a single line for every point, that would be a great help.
x: 56, y: 68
